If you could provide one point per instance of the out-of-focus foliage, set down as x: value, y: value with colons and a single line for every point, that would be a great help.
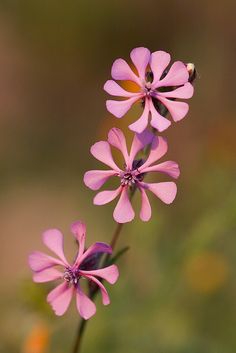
x: 177, y: 288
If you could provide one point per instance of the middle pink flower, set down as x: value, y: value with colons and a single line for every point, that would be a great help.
x: 132, y: 174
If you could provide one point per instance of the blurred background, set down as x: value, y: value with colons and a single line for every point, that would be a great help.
x: 177, y: 289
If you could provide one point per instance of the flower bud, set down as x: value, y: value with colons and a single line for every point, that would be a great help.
x: 192, y: 72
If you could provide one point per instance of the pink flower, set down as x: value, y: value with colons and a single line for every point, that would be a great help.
x: 45, y: 270
x: 132, y: 174
x: 157, y: 87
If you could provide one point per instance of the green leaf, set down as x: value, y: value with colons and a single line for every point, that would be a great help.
x: 116, y: 257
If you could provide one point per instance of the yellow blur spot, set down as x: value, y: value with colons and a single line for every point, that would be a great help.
x: 207, y: 272
x: 37, y: 340
x: 130, y: 86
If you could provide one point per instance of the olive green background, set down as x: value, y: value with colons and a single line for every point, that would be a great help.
x: 177, y: 287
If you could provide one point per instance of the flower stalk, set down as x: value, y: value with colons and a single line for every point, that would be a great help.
x: 113, y: 243
x: 164, y: 112
x: 83, y: 322
x: 160, y: 87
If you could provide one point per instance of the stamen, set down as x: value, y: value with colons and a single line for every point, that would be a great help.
x: 128, y: 178
x: 147, y: 89
x: 131, y: 177
x: 71, y: 276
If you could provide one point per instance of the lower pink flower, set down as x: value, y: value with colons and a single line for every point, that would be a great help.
x: 47, y: 268
x: 133, y: 173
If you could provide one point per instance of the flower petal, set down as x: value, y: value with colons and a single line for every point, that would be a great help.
x: 110, y: 273
x: 56, y: 291
x: 105, y: 296
x: 177, y: 75
x: 140, y: 57
x: 47, y: 275
x: 116, y: 138
x: 140, y: 125
x: 85, y: 306
x: 94, y: 179
x: 158, y: 121
x: 39, y: 261
x: 53, y: 239
x: 121, y: 71
x: 123, y: 211
x: 169, y: 167
x: 165, y: 191
x: 159, y: 61
x: 114, y: 89
x: 146, y: 211
x: 120, y: 108
x: 102, y: 151
x: 98, y: 247
x: 60, y: 298
x: 106, y: 196
x: 79, y: 230
x: 185, y: 92
x: 139, y: 142
x: 177, y: 110
x: 158, y: 149
x: 91, y: 262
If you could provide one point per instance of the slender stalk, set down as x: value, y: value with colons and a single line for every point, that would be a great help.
x: 82, y: 322
x: 79, y: 336
x: 115, y: 237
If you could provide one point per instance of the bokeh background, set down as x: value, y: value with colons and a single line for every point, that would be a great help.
x: 177, y: 289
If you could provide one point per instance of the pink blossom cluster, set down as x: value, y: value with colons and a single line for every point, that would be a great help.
x: 158, y: 88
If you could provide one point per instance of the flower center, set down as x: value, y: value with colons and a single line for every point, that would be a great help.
x: 71, y: 276
x: 128, y: 177
x: 147, y: 91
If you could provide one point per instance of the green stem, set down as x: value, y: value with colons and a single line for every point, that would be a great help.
x: 115, y: 237
x: 116, y: 234
x: 82, y: 323
x: 79, y: 336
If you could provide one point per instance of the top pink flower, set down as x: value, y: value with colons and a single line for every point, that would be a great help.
x: 158, y: 87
